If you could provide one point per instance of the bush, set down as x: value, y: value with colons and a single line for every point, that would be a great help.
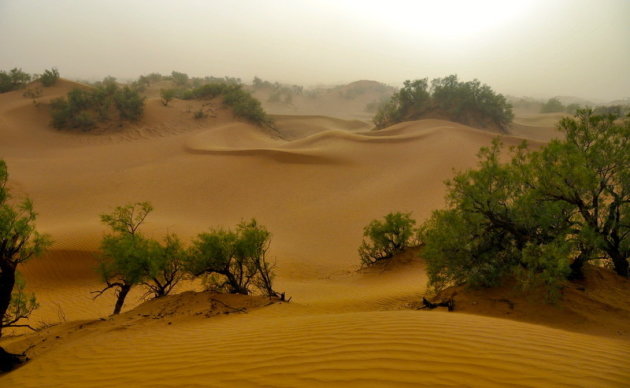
x: 539, y: 217
x: 85, y: 108
x: 469, y: 103
x: 167, y: 95
x: 235, y: 260
x: 13, y: 80
x: 552, y: 105
x: 383, y: 240
x: 242, y: 103
x: 49, y: 77
x: 180, y: 79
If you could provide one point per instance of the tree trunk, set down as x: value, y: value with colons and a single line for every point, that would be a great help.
x: 7, y: 281
x: 236, y: 287
x: 621, y: 264
x: 122, y: 294
x: 576, y: 267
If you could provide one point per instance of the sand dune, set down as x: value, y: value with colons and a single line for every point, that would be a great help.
x: 315, y: 183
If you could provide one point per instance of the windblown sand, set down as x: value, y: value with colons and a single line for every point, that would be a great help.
x: 315, y: 183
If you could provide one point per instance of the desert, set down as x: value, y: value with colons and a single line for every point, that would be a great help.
x: 311, y: 171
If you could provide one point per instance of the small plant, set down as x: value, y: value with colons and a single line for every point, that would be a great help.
x: 167, y: 95
x: 199, y: 114
x: 385, y: 239
x: 49, y: 77
x: 34, y: 93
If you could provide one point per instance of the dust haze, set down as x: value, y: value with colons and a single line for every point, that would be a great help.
x: 523, y: 48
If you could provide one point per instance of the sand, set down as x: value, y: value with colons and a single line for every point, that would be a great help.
x: 315, y: 183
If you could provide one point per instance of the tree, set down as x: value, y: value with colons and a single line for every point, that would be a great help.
x: 539, y: 217
x: 385, y: 239
x: 237, y: 257
x: 165, y: 266
x: 19, y: 242
x: 590, y: 172
x: 552, y: 105
x: 124, y: 261
x: 129, y: 103
x: 49, y: 77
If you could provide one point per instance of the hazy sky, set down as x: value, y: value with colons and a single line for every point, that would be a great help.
x: 535, y: 48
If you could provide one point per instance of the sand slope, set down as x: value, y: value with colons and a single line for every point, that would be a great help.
x: 315, y: 184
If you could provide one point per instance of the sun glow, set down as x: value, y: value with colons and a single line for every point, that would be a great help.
x: 445, y: 20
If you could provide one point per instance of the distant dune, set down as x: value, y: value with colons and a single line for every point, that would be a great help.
x: 315, y: 182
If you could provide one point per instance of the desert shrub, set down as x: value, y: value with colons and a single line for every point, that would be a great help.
x: 470, y: 103
x: 19, y: 242
x: 180, y: 79
x: 128, y: 258
x: 167, y: 95
x: 540, y: 216
x: 84, y: 109
x: 552, y: 105
x: 129, y: 103
x: 235, y: 260
x: 243, y: 104
x: 384, y: 239
x: 13, y: 80
x: 164, y: 270
x: 573, y: 108
x: 199, y: 114
x: 49, y: 77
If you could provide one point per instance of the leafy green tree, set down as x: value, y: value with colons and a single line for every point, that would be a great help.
x: 13, y: 80
x: 125, y: 253
x: 385, y: 239
x: 165, y: 266
x: 589, y: 171
x: 49, y: 77
x: 238, y: 257
x: 539, y: 217
x: 19, y: 241
x: 552, y: 105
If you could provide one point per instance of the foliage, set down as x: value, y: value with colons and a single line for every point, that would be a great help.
x: 180, y: 79
x: 242, y: 103
x: 552, y: 105
x: 21, y: 305
x: 124, y: 262
x: 19, y: 241
x: 129, y: 258
x: 383, y: 240
x: 237, y: 259
x: 539, y: 217
x: 49, y: 77
x: 467, y: 102
x: 84, y: 108
x: 167, y: 95
x: 13, y: 80
x: 164, y: 268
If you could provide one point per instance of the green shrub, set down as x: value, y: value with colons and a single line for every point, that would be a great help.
x: 540, y: 216
x: 167, y: 95
x: 235, y: 260
x: 383, y: 240
x: 13, y: 80
x: 552, y: 105
x: 180, y: 79
x: 85, y: 108
x: 49, y: 77
x: 469, y: 103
